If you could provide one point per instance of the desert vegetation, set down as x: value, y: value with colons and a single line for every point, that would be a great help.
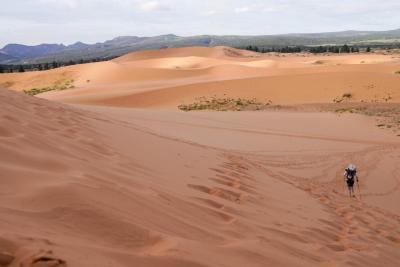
x: 344, y: 97
x: 347, y: 95
x: 225, y: 104
x: 58, y: 86
x: 386, y: 115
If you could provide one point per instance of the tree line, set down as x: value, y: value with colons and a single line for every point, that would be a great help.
x: 323, y: 48
x: 312, y: 49
x: 10, y: 68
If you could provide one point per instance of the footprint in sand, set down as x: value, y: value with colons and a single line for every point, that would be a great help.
x: 219, y: 192
x: 6, y: 259
x: 43, y: 259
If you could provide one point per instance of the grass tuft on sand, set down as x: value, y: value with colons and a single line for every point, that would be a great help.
x: 344, y: 97
x: 225, y: 104
x: 347, y: 95
x: 387, y: 116
x: 58, y: 86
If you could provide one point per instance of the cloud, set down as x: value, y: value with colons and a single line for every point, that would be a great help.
x: 149, y: 6
x: 243, y: 9
x: 259, y: 8
x: 65, y: 3
x: 67, y: 21
x: 210, y: 13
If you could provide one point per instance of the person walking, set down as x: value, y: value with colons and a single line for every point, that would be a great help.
x: 350, y: 176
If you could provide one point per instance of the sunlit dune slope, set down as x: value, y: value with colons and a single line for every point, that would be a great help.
x: 169, y: 77
x: 206, y: 52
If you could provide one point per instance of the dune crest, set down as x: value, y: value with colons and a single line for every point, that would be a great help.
x: 220, y: 52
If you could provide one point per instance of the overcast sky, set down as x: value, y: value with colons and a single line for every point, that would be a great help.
x: 68, y: 21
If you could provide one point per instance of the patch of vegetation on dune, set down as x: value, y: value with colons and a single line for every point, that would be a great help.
x: 225, y: 104
x: 344, y: 97
x: 347, y: 95
x: 397, y: 72
x: 351, y: 110
x: 386, y: 116
x: 58, y: 86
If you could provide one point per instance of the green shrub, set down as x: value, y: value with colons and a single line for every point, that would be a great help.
x: 224, y: 104
x: 58, y: 86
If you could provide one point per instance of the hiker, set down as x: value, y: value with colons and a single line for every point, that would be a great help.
x: 350, y: 175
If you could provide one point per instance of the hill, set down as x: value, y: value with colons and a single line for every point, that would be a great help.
x: 125, y: 44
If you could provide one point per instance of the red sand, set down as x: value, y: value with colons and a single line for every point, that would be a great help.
x: 168, y: 77
x: 108, y: 186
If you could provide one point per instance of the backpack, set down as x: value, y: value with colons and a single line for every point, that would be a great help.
x: 351, y: 173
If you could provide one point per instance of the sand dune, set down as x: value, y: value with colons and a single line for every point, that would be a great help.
x: 216, y: 52
x: 283, y: 80
x: 169, y: 77
x: 149, y: 185
x: 191, y: 62
x: 182, y: 189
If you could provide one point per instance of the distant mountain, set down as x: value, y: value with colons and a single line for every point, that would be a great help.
x: 4, y: 58
x: 77, y: 45
x: 25, y: 51
x: 16, y: 53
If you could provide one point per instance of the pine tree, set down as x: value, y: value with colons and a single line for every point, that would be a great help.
x: 368, y: 49
x: 21, y: 68
x: 345, y: 49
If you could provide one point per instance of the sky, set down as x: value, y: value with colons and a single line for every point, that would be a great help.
x: 68, y: 21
